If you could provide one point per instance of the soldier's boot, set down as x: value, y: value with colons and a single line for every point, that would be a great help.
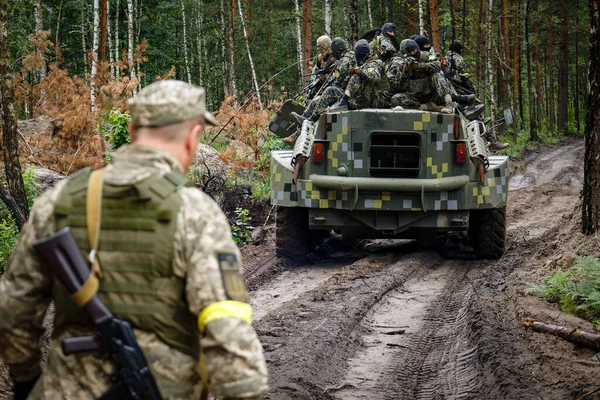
x: 449, y: 107
x: 291, y: 140
x: 464, y: 99
x: 496, y: 145
x: 299, y: 118
x: 430, y: 107
x: 340, y: 105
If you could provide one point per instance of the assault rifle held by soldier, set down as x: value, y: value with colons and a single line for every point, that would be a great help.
x: 132, y: 378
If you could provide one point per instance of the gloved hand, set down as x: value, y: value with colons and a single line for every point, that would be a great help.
x: 22, y: 389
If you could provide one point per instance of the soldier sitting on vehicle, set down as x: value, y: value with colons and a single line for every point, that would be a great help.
x: 393, y: 74
x: 322, y: 65
x: 457, y: 67
x: 423, y: 42
x: 362, y: 90
x: 335, y: 89
x: 421, y: 86
x: 383, y: 44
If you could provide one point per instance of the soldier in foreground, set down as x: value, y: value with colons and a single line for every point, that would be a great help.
x: 167, y: 264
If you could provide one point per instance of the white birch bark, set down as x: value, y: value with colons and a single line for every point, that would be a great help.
x: 369, y: 14
x: 95, y: 43
x: 83, y: 34
x: 111, y: 55
x: 130, y: 40
x: 299, y: 35
x: 490, y: 69
x: 58, y: 19
x: 231, y: 50
x: 39, y: 26
x: 185, y: 47
x: 117, y: 48
x: 327, y: 16
x: 200, y: 22
x: 252, y: 70
x: 224, y: 59
x: 420, y: 17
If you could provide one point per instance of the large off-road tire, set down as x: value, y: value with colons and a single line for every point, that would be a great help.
x: 488, y: 232
x: 293, y: 239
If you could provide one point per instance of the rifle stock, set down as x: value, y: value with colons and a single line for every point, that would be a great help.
x: 132, y: 378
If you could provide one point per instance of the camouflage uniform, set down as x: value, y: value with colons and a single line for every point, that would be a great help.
x: 423, y: 83
x: 394, y: 75
x: 460, y: 67
x: 229, y: 348
x: 363, y: 85
x: 335, y: 90
x: 383, y: 47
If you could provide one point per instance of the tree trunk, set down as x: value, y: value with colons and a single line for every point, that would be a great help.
x: 551, y: 111
x: 504, y: 22
x: 464, y: 21
x: 271, y: 51
x: 83, y: 41
x: 490, y: 70
x: 252, y: 70
x: 539, y: 91
x: 530, y: 86
x: 186, y: 58
x: 111, y: 55
x: 39, y: 26
x: 58, y: 19
x: 382, y: 11
x: 516, y: 65
x: 520, y: 81
x: 563, y: 73
x: 10, y: 140
x: 231, y: 49
x: 306, y: 35
x: 103, y: 29
x: 224, y: 58
x: 434, y: 8
x: 95, y: 42
x: 576, y: 97
x: 328, y: 15
x: 200, y: 22
x: 480, y: 57
x: 590, y: 208
x: 130, y: 64
x: 353, y: 15
x: 369, y: 15
x: 299, y: 44
x: 117, y: 45
x: 421, y: 25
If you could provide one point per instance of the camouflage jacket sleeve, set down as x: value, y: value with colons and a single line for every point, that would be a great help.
x: 342, y: 70
x: 205, y: 254
x: 372, y: 71
x: 25, y: 293
x: 394, y: 74
x: 429, y: 64
x: 387, y: 47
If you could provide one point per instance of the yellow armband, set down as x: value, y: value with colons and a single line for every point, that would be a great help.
x: 225, y: 309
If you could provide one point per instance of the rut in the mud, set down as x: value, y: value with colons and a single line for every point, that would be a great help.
x: 398, y: 321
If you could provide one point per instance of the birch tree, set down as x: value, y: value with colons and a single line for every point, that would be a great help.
x: 130, y: 40
x: 369, y: 16
x: 117, y: 45
x: 490, y: 69
x: 421, y: 17
x: 185, y: 47
x: 95, y: 42
x: 200, y: 22
x: 299, y: 36
x: 252, y: 70
x: 39, y: 26
x: 327, y: 16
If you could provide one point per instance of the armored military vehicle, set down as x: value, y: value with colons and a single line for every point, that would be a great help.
x: 381, y: 173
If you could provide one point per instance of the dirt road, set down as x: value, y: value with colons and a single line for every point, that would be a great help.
x: 393, y: 320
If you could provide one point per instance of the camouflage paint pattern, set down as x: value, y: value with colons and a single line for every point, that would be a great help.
x: 230, y: 347
x: 346, y: 137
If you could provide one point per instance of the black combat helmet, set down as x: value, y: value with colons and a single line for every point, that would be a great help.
x: 338, y: 47
x: 423, y: 43
x: 361, y: 51
x: 411, y: 45
x: 387, y: 27
x: 413, y: 37
x: 456, y: 46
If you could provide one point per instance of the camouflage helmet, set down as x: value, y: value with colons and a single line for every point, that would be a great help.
x: 168, y: 102
x: 402, y: 50
x: 323, y: 44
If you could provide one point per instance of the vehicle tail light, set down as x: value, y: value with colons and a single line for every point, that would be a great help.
x: 461, y: 153
x: 318, y: 153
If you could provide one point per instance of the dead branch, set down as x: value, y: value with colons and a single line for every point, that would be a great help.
x: 573, y: 335
x: 591, y: 392
x: 338, y: 387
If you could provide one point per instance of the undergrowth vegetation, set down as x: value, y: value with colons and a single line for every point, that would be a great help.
x: 576, y: 289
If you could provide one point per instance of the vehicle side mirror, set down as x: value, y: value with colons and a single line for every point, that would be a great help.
x: 508, y: 117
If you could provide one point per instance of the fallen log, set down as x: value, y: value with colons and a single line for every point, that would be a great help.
x: 573, y: 335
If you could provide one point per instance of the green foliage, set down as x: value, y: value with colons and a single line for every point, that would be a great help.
x: 115, y: 128
x: 515, y: 150
x: 8, y: 239
x: 31, y: 186
x: 262, y: 188
x: 576, y: 290
x: 241, y: 229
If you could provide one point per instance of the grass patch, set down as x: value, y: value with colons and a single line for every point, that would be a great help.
x: 576, y: 289
x: 515, y: 150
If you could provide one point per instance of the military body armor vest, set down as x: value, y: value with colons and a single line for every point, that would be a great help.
x: 136, y: 251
